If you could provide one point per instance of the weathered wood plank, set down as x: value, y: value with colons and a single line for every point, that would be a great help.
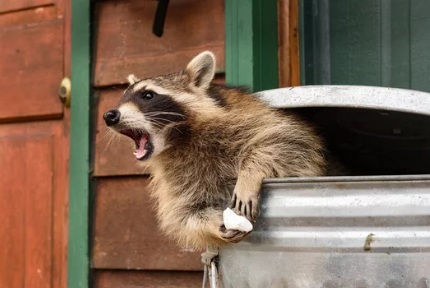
x: 126, y: 235
x: 12, y: 241
x: 31, y: 69
x: 294, y: 42
x: 125, y: 43
x: 147, y: 279
x: 34, y: 207
x: 30, y: 16
x: 13, y: 5
x: 284, y: 45
x: 289, y: 62
x: 26, y: 211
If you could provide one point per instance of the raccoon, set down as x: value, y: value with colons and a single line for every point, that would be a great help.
x: 209, y: 146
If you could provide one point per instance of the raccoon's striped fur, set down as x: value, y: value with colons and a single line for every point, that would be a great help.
x: 209, y: 146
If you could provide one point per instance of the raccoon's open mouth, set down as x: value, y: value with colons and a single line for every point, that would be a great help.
x: 144, y: 147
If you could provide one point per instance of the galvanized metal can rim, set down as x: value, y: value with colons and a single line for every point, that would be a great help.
x: 344, y: 96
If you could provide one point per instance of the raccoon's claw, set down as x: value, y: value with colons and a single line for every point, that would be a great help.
x: 232, y: 236
x: 248, y: 208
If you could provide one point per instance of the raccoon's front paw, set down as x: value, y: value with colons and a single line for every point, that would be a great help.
x: 232, y: 236
x: 245, y: 204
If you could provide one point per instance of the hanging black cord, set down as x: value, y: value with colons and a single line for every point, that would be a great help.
x: 160, y: 17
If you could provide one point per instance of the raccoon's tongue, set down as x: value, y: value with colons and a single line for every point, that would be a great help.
x: 141, y: 147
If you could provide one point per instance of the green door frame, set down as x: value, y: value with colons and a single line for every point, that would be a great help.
x: 78, y: 263
x: 251, y: 43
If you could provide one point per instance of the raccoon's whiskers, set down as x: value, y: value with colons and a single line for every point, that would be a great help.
x: 134, y: 124
x: 156, y: 113
x: 105, y: 133
x: 156, y: 123
x: 160, y: 119
x: 159, y: 125
x: 113, y: 136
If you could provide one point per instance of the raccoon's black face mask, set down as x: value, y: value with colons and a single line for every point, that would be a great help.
x: 125, y: 126
x: 144, y: 115
x: 149, y: 107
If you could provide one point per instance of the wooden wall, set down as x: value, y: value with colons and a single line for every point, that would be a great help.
x: 288, y: 43
x: 127, y: 248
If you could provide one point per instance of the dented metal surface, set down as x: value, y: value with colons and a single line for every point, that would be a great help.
x: 337, y: 233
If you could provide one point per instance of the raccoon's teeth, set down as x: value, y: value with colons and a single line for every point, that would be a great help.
x: 140, y: 154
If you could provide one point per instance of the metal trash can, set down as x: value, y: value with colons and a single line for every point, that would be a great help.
x: 370, y: 230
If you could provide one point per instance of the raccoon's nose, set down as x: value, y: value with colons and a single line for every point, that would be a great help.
x: 112, y: 117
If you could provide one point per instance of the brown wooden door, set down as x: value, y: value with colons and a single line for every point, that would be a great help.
x: 34, y: 128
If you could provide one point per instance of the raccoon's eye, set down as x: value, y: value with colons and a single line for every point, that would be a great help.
x: 147, y: 95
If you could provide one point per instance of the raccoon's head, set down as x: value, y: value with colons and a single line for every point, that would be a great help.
x: 150, y: 109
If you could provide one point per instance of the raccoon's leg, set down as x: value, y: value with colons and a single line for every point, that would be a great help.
x: 247, y: 192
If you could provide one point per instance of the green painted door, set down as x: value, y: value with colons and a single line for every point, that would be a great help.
x: 366, y: 42
x: 251, y: 44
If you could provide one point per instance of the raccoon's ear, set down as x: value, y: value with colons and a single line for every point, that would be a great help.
x: 132, y: 79
x: 201, y: 70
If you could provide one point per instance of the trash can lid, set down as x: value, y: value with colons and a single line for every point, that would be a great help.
x: 381, y: 98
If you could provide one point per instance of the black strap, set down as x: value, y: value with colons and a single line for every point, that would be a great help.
x: 160, y: 17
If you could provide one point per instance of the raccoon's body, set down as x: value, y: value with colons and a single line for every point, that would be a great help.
x: 208, y: 147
